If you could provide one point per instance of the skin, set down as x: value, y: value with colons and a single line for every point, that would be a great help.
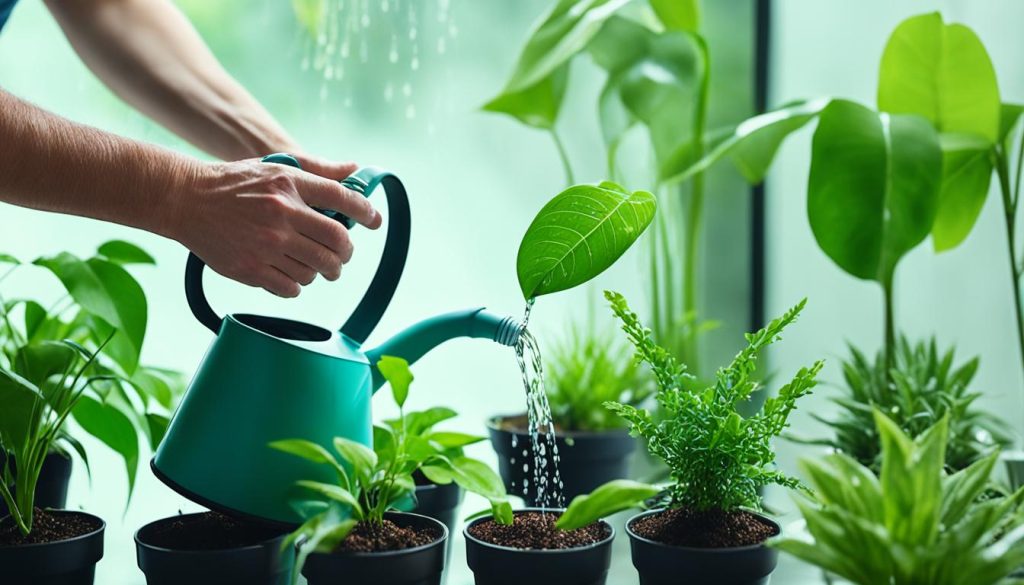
x: 248, y: 221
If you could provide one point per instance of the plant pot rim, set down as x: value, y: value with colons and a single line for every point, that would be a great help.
x: 493, y: 423
x: 725, y: 550
x: 532, y: 551
x: 402, y: 551
x: 177, y: 551
x: 89, y: 534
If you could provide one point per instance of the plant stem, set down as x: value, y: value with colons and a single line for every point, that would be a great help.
x: 563, y: 154
x: 1010, y: 217
x: 890, y: 327
x: 695, y: 215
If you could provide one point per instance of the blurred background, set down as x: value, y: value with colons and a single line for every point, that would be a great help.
x: 411, y: 103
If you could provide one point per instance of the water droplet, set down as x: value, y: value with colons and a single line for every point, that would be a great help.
x: 453, y: 31
x: 415, y: 63
x: 412, y: 33
x: 410, y: 111
x: 329, y: 73
x: 407, y: 89
x: 389, y: 92
x: 385, y: 6
x: 526, y: 467
x: 364, y: 21
x: 440, y: 46
x: 345, y: 50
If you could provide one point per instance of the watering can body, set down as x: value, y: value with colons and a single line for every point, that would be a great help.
x: 265, y: 379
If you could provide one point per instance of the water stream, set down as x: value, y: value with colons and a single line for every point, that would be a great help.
x: 546, y: 479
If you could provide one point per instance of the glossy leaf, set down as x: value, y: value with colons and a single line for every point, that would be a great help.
x: 537, y: 105
x: 8, y: 259
x: 942, y: 72
x: 362, y: 458
x: 614, y: 496
x: 109, y: 292
x: 417, y: 423
x: 678, y: 14
x: 113, y: 428
x: 751, y: 145
x: 966, y: 174
x: 39, y: 361
x: 396, y: 371
x: 449, y: 439
x: 123, y: 252
x: 331, y: 492
x: 20, y: 399
x: 1009, y: 114
x: 156, y: 428
x: 579, y: 234
x: 477, y: 477
x: 873, y: 187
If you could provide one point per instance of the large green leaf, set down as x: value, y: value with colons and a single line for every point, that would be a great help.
x: 614, y: 496
x: 579, y: 234
x: 114, y: 428
x: 475, y: 476
x: 941, y: 72
x: 558, y: 37
x: 1009, y: 114
x: 396, y: 371
x: 873, y: 187
x: 37, y: 362
x: 537, y: 105
x: 751, y: 145
x: 20, y: 404
x: 109, y: 292
x: 124, y: 253
x: 966, y: 174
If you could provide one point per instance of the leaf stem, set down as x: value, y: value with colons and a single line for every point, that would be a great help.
x: 1010, y: 217
x: 695, y: 215
x: 563, y: 154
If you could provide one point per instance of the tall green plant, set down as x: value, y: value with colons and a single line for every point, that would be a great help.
x: 102, y: 304
x: 717, y: 458
x: 912, y: 524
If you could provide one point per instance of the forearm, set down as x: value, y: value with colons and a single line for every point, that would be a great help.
x: 148, y: 53
x: 52, y: 164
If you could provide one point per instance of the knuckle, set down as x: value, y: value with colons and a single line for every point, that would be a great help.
x: 281, y: 182
x: 275, y: 237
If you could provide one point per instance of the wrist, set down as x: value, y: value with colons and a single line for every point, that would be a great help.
x: 190, y: 179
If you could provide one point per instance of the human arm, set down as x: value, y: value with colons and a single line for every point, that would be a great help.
x: 248, y: 221
x: 151, y: 56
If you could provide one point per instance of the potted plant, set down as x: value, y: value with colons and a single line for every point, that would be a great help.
x: 354, y: 530
x: 912, y: 523
x: 126, y: 399
x: 533, y: 550
x: 922, y: 388
x: 704, y: 523
x: 57, y: 547
x: 586, y: 370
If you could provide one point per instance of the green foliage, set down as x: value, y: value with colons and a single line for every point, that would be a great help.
x: 33, y: 416
x: 923, y: 387
x: 586, y: 370
x: 102, y: 304
x: 873, y: 187
x: 615, y: 496
x: 374, y: 481
x: 913, y: 524
x: 579, y: 234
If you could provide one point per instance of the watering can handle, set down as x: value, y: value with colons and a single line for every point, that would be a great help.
x: 382, y: 288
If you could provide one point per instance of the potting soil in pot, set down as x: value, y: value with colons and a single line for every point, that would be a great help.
x: 209, y: 531
x: 546, y: 479
x: 47, y: 528
x: 536, y: 531
x: 710, y: 529
x: 367, y: 537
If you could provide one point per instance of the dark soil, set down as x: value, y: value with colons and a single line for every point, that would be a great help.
x: 711, y: 529
x: 47, y: 527
x: 366, y: 537
x: 536, y: 531
x: 208, y: 531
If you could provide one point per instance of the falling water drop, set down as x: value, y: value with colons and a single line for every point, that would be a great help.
x: 389, y: 92
x: 415, y: 63
x: 393, y: 53
x: 385, y: 6
x: 440, y: 46
x: 410, y: 111
x: 407, y: 89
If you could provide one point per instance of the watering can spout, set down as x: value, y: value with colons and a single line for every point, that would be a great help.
x: 424, y: 336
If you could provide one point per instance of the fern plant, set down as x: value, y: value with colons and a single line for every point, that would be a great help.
x: 925, y: 386
x: 912, y: 524
x: 586, y: 370
x: 717, y: 459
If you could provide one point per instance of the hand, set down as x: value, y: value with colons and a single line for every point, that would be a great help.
x: 252, y: 221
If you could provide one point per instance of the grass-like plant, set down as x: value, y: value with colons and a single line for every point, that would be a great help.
x: 923, y: 387
x: 912, y: 524
x: 717, y: 459
x: 32, y: 416
x: 372, y: 482
x: 585, y: 371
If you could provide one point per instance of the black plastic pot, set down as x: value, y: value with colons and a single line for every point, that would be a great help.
x: 64, y: 562
x: 588, y: 459
x: 421, y: 565
x: 260, y: 564
x: 662, y: 564
x: 440, y: 502
x: 501, y: 565
x: 52, y: 487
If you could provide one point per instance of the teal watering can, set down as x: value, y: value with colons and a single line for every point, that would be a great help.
x: 266, y: 378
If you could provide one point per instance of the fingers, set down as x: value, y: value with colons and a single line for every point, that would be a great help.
x: 295, y: 270
x: 318, y: 257
x: 327, y: 232
x: 325, y: 168
x: 277, y: 282
x: 328, y: 194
